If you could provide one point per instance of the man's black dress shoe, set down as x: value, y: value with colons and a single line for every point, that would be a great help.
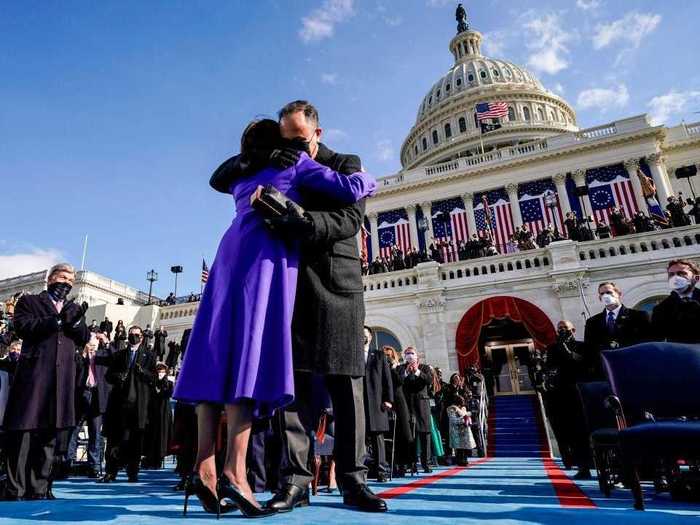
x: 289, y: 498
x: 382, y: 478
x: 427, y: 470
x: 180, y: 485
x: 107, y: 478
x: 583, y: 474
x: 92, y: 473
x: 364, y: 499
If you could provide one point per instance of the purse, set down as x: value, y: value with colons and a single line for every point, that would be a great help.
x: 271, y: 202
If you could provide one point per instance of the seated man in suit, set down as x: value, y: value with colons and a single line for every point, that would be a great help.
x: 676, y: 318
x: 615, y: 327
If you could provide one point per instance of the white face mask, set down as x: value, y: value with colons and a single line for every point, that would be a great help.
x: 609, y: 299
x: 411, y: 358
x: 161, y: 375
x: 679, y: 283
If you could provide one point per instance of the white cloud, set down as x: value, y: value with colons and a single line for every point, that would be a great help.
x: 588, y: 4
x: 494, y: 43
x: 603, y: 99
x: 321, y: 22
x: 672, y: 103
x: 393, y: 21
x: 630, y: 29
x: 329, y: 78
x: 439, y: 3
x: 548, y: 44
x: 558, y: 88
x: 334, y: 135
x: 385, y: 150
x: 34, y: 260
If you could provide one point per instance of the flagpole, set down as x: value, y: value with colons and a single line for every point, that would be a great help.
x: 201, y: 284
x: 82, y: 262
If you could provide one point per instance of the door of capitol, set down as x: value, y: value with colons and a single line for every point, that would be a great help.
x: 511, y: 364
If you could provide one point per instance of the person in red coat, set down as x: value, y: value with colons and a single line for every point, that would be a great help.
x: 42, y: 396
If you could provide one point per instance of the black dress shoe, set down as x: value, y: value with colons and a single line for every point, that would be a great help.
x: 133, y: 479
x: 107, y: 478
x: 427, y: 470
x: 180, y: 485
x: 583, y: 474
x: 289, y: 498
x: 92, y: 473
x: 364, y: 499
x: 382, y: 478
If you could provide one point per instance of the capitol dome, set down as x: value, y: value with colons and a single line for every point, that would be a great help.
x: 446, y: 127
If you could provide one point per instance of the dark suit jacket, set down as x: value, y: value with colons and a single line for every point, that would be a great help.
x: 106, y: 327
x: 631, y: 327
x: 417, y: 390
x: 103, y: 359
x: 122, y: 414
x: 378, y: 389
x: 329, y: 310
x: 677, y: 321
x: 42, y: 395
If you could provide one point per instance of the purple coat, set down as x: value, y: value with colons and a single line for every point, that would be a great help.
x: 241, y: 342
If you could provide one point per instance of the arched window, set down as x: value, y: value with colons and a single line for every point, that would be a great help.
x: 447, y: 88
x: 415, y: 149
x: 459, y: 82
x: 462, y: 124
x: 425, y: 144
x: 383, y: 337
x: 435, y: 136
x: 482, y: 73
x: 511, y: 113
x: 540, y: 114
x: 526, y: 113
x: 448, y: 130
x: 471, y: 77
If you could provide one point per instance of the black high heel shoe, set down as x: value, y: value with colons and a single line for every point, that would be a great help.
x: 227, y: 490
x: 210, y: 503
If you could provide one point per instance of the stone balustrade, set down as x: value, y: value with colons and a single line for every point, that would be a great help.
x: 177, y: 311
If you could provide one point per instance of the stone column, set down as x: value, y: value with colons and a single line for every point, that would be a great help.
x: 580, y: 180
x: 560, y: 182
x: 468, y: 199
x: 374, y: 234
x: 660, y: 176
x: 413, y: 225
x: 632, y: 165
x: 427, y: 214
x: 512, y: 190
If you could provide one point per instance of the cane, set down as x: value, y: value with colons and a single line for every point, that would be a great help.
x: 393, y: 447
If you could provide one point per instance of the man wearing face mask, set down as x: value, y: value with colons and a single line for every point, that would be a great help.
x: 676, y: 319
x: 566, y: 363
x: 42, y: 395
x: 615, y: 327
x: 417, y: 384
x: 131, y: 375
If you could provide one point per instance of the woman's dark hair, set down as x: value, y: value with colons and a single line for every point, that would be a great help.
x: 452, y: 377
x: 458, y: 401
x: 261, y: 134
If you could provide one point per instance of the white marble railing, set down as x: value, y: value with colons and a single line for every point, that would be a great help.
x: 177, y: 311
x: 682, y: 132
x: 563, y: 140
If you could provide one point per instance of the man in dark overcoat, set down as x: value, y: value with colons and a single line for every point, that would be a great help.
x: 615, y: 327
x: 417, y: 386
x: 379, y: 399
x: 676, y: 319
x: 328, y: 317
x: 42, y: 395
x: 106, y: 327
x: 160, y: 346
x: 131, y: 375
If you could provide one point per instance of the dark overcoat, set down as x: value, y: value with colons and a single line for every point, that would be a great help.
x: 42, y: 395
x: 121, y: 414
x: 677, y: 320
x: 417, y: 391
x: 160, y: 346
x: 160, y: 420
x: 378, y: 389
x: 103, y: 359
x: 329, y: 311
x: 405, y: 432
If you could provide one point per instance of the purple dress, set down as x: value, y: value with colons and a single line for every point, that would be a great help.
x: 241, y: 341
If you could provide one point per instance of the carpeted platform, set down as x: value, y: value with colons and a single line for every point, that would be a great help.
x: 495, y: 491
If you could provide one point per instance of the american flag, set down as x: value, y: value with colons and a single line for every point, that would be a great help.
x: 610, y: 187
x: 501, y: 218
x: 536, y: 214
x: 455, y: 229
x: 393, y: 229
x: 205, y: 272
x: 487, y: 110
x: 364, y: 251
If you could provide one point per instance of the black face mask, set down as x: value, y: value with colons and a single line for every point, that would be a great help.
x: 14, y: 356
x: 564, y: 334
x: 134, y: 339
x: 59, y: 291
x: 298, y: 144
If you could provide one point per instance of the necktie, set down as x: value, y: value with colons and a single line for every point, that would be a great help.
x: 133, y: 357
x: 611, y: 322
x: 91, y: 382
x: 59, y: 306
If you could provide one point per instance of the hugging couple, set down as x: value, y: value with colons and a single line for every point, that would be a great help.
x: 284, y: 302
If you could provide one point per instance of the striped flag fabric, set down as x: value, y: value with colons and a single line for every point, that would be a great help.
x: 533, y: 206
x: 450, y: 224
x: 364, y: 251
x: 610, y: 187
x: 501, y: 217
x: 393, y: 229
x: 489, y: 110
x: 205, y: 272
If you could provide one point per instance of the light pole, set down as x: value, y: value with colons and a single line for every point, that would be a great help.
x: 176, y: 270
x: 151, y: 277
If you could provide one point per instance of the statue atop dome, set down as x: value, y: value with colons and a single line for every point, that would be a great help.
x: 461, y: 17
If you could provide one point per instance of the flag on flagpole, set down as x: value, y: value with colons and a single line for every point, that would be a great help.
x: 363, y: 244
x: 205, y: 272
x: 492, y: 213
x: 649, y: 192
x: 533, y: 206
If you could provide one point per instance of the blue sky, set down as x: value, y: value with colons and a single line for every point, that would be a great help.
x: 114, y: 114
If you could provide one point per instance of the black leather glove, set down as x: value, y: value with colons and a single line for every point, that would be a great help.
x: 293, y: 224
x: 284, y: 158
x: 72, y: 313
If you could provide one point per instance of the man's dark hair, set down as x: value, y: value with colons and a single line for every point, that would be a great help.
x: 135, y: 327
x: 309, y: 110
x: 371, y: 332
x: 694, y: 269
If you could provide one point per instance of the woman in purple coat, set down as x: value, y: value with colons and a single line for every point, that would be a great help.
x: 240, y: 351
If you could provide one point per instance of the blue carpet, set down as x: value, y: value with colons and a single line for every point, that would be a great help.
x: 499, y: 491
x: 516, y: 432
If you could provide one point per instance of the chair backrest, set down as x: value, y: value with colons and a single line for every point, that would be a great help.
x: 593, y: 397
x: 661, y: 378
